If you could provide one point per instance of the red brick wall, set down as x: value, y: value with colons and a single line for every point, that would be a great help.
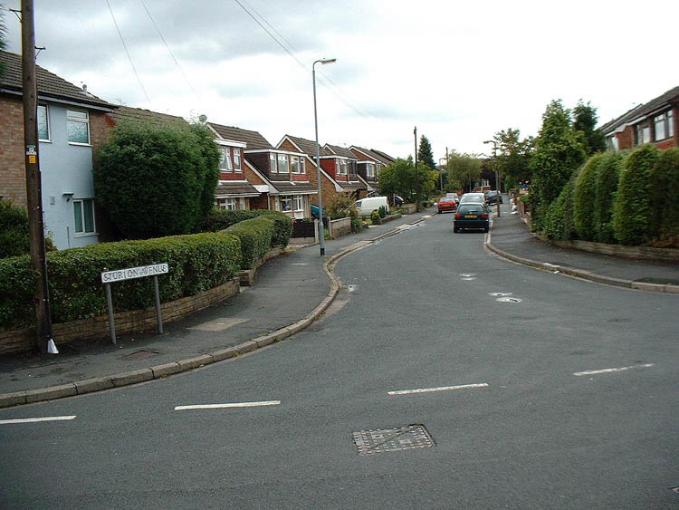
x: 626, y: 138
x: 327, y: 185
x: 12, y: 169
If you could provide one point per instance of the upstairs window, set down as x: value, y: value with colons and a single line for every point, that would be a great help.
x: 225, y: 159
x: 664, y: 125
x: 643, y: 133
x: 294, y: 164
x: 236, y: 160
x: 78, y: 127
x: 283, y: 167
x: 272, y: 163
x: 43, y: 124
x: 302, y: 168
x: 370, y: 170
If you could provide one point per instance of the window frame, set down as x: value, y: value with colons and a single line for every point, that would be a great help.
x: 285, y: 199
x: 295, y: 165
x: 70, y: 118
x: 273, y: 163
x: 225, y: 157
x: 224, y: 203
x: 236, y: 155
x: 295, y: 199
x: 47, y: 123
x: 83, y: 223
x: 286, y: 158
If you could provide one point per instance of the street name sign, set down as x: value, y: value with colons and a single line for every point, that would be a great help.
x: 131, y: 273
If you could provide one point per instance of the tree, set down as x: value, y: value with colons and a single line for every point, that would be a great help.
x: 513, y: 156
x: 403, y: 178
x: 463, y: 169
x: 558, y: 153
x: 584, y: 121
x: 424, y: 153
x: 584, y: 198
x: 156, y: 180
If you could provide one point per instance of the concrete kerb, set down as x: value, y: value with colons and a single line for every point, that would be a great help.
x: 580, y: 273
x: 167, y: 369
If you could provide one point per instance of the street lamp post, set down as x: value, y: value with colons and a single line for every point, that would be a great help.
x: 497, y: 174
x: 321, y: 235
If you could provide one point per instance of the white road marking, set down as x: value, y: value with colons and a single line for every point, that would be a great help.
x: 442, y: 388
x: 499, y: 294
x: 610, y: 370
x: 467, y: 275
x: 229, y: 406
x: 36, y: 420
x: 468, y: 278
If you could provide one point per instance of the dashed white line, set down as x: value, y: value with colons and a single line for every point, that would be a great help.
x: 610, y: 370
x: 442, y: 388
x: 36, y: 420
x: 234, y: 405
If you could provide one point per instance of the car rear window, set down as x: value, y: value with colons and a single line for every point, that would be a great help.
x: 470, y: 208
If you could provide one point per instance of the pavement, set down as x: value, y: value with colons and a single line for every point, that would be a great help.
x: 510, y: 238
x: 290, y: 292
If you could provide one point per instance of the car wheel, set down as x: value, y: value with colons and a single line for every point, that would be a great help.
x: 456, y: 230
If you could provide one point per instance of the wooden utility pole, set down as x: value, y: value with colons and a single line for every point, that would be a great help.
x: 33, y: 180
x: 415, y: 135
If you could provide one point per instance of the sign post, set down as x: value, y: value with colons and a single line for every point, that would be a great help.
x: 131, y: 273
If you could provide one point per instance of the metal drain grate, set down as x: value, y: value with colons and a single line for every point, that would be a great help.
x: 407, y: 437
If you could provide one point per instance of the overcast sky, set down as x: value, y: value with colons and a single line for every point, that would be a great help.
x: 458, y: 70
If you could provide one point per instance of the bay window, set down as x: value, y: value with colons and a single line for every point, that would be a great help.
x: 283, y: 167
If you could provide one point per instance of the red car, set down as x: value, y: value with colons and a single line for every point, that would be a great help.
x: 447, y: 204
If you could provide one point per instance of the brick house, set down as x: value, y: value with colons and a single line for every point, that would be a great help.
x: 334, y: 181
x: 283, y: 172
x: 369, y: 165
x: 655, y: 122
x: 70, y: 122
x: 342, y: 165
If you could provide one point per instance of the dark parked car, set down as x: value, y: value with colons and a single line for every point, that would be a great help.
x: 471, y: 215
x: 493, y: 197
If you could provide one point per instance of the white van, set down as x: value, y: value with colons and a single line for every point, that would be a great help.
x: 367, y: 205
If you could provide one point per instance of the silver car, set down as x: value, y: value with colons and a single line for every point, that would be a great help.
x: 477, y: 198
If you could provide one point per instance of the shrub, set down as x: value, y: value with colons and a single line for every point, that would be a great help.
x: 633, y: 217
x: 255, y: 236
x: 220, y: 219
x: 584, y: 197
x: 559, y: 224
x: 605, y: 188
x: 341, y: 206
x: 197, y: 262
x: 156, y: 180
x: 356, y: 225
x: 382, y: 211
x: 14, y: 236
x: 375, y: 218
x: 665, y: 179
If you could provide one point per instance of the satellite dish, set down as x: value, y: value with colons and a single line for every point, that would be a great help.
x: 202, y: 118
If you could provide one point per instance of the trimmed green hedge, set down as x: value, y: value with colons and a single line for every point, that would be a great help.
x: 256, y: 237
x: 633, y: 216
x: 665, y: 178
x: 220, y: 219
x: 584, y: 197
x: 197, y: 262
x: 605, y: 189
x: 559, y: 223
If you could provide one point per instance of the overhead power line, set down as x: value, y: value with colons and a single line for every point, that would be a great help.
x: 127, y: 52
x: 167, y: 46
x: 279, y: 39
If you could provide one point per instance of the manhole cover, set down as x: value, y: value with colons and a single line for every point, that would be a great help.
x: 369, y: 442
x: 508, y: 300
x: 499, y: 294
x: 141, y: 354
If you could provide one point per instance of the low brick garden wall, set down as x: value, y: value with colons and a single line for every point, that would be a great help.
x: 340, y: 227
x: 135, y: 321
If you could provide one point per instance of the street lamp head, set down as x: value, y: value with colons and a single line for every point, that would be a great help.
x: 489, y: 141
x: 325, y: 61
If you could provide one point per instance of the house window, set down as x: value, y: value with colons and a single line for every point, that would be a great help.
x: 294, y: 164
x: 612, y: 143
x: 43, y: 124
x: 225, y: 159
x: 286, y: 203
x: 83, y: 212
x: 236, y: 160
x: 272, y: 163
x: 370, y: 170
x: 302, y: 169
x: 299, y: 203
x: 664, y: 126
x: 230, y: 204
x: 643, y: 133
x: 78, y: 126
x: 283, y: 164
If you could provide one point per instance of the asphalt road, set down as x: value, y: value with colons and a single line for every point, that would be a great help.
x: 416, y: 313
